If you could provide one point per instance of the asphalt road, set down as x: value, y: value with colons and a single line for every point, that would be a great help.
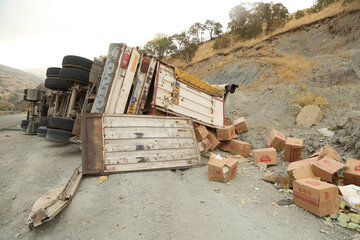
x: 11, y: 121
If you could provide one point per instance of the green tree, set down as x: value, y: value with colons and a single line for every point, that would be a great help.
x: 299, y: 14
x: 214, y: 28
x: 187, y: 46
x: 196, y: 31
x: 161, y: 46
x: 273, y: 14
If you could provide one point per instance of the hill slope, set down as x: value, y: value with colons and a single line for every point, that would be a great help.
x: 12, y: 84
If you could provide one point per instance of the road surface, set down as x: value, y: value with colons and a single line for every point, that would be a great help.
x: 11, y: 121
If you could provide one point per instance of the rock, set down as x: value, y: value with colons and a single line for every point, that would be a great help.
x: 135, y: 215
x: 293, y: 110
x: 326, y: 132
x: 13, y: 197
x: 334, y: 216
x: 285, y: 202
x: 353, y: 226
x: 262, y: 166
x: 308, y: 116
x: 216, y: 190
x: 343, y: 217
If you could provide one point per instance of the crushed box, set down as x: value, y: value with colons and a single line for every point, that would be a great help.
x: 293, y: 149
x: 294, y: 165
x: 215, y: 143
x: 304, y: 171
x: 327, y: 152
x: 225, y: 146
x: 352, y: 172
x: 222, y: 169
x: 241, y: 125
x: 238, y: 147
x: 265, y: 155
x: 201, y: 133
x: 327, y: 168
x: 319, y: 198
x: 276, y: 140
x: 226, y: 133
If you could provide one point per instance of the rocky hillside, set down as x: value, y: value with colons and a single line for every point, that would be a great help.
x: 12, y: 84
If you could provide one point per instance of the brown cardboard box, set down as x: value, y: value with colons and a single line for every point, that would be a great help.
x: 225, y: 146
x: 352, y: 172
x: 201, y: 133
x: 265, y: 155
x: 304, y: 171
x: 293, y: 149
x: 276, y: 140
x: 215, y: 143
x: 226, y: 133
x: 319, y: 198
x: 240, y: 125
x: 294, y: 165
x: 222, y: 169
x: 207, y: 144
x: 238, y: 147
x: 327, y: 152
x: 326, y: 168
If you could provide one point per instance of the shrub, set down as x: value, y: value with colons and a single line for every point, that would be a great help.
x: 299, y: 14
x: 222, y: 42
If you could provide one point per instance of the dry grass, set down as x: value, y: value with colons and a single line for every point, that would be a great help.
x: 309, y: 98
x: 206, y: 51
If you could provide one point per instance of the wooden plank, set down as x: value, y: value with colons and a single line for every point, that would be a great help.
x: 149, y: 156
x: 152, y: 165
x: 147, y: 144
x: 128, y: 80
x: 152, y: 132
x: 144, y: 122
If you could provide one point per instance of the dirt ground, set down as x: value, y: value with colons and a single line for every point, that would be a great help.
x: 144, y: 205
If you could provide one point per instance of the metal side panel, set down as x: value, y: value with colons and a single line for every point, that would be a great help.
x: 127, y: 83
x: 114, y: 55
x: 137, y: 142
x: 182, y: 100
x: 92, y: 143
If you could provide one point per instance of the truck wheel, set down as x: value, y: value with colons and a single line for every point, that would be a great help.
x: 44, y: 121
x: 61, y: 123
x: 24, y: 125
x: 56, y: 84
x: 53, y: 72
x: 71, y: 61
x: 57, y: 135
x: 74, y: 75
x: 41, y: 132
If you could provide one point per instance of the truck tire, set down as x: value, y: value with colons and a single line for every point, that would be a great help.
x: 44, y: 121
x: 61, y: 123
x: 74, y: 75
x: 72, y: 61
x: 24, y: 125
x: 41, y: 132
x: 53, y: 72
x: 57, y: 135
x: 56, y: 84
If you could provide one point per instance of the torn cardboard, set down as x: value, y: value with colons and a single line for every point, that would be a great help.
x: 352, y: 172
x: 276, y: 140
x: 293, y: 149
x: 222, y: 169
x: 238, y: 147
x: 265, y: 155
x: 327, y: 152
x: 327, y: 169
x: 294, y: 165
x: 241, y: 125
x: 226, y: 133
x: 303, y: 172
x: 319, y: 198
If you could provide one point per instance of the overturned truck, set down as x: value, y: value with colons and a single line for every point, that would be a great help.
x: 116, y: 135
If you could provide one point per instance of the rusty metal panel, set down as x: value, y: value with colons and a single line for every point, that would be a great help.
x: 137, y: 142
x: 92, y: 143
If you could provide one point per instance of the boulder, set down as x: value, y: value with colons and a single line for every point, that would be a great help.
x: 308, y: 116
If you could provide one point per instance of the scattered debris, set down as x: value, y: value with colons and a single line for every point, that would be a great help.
x: 326, y: 132
x: 351, y: 195
x: 101, y: 179
x: 285, y: 202
x: 280, y: 180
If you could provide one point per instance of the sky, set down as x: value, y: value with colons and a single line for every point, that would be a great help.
x: 39, y: 33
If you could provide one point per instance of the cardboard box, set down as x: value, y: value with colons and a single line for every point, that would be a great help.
x: 276, y: 140
x: 240, y: 125
x: 215, y: 143
x: 265, y: 155
x: 293, y: 149
x: 225, y: 146
x: 352, y: 172
x: 327, y: 152
x: 326, y: 168
x: 238, y: 147
x: 319, y: 198
x: 222, y: 169
x: 226, y: 133
x: 206, y: 144
x: 303, y: 172
x: 201, y: 133
x: 294, y: 165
